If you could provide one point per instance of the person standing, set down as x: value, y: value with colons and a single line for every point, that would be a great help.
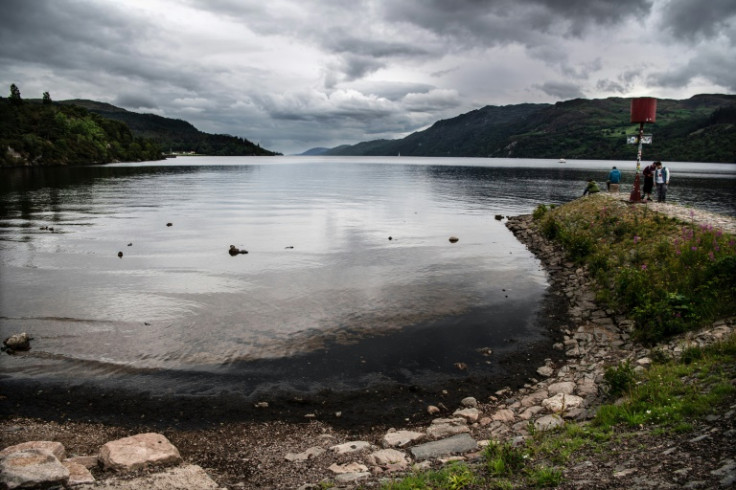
x: 614, y: 177
x: 648, y: 174
x: 662, y: 180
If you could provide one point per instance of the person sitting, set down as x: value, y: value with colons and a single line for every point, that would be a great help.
x: 591, y: 188
x: 614, y: 177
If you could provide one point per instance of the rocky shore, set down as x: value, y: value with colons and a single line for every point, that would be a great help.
x: 565, y: 388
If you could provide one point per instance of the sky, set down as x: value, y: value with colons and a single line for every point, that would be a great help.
x: 295, y: 74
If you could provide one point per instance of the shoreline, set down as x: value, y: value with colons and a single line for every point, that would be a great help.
x: 594, y: 339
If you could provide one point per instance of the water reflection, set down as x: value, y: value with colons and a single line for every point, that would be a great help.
x: 321, y: 269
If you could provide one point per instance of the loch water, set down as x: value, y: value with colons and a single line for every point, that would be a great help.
x: 350, y: 279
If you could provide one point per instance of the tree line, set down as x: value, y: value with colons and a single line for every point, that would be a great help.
x: 34, y: 132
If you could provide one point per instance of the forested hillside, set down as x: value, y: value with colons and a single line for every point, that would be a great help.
x: 174, y: 134
x: 42, y: 132
x: 699, y: 129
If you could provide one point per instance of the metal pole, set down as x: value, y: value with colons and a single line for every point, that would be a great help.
x: 635, y: 193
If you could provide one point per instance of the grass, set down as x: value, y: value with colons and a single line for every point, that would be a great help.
x: 669, y: 276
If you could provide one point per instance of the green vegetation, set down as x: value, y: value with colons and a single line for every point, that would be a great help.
x: 669, y: 276
x: 33, y: 133
x: 174, y: 134
x: 699, y: 129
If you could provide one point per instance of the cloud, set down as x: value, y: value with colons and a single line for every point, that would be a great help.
x: 698, y: 20
x: 287, y: 73
x: 717, y: 67
x: 561, y: 90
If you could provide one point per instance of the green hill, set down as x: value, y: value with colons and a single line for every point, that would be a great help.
x: 39, y: 132
x: 174, y: 134
x: 701, y: 129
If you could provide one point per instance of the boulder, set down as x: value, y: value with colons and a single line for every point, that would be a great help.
x: 139, y: 451
x: 561, y: 403
x: 19, y: 341
x: 548, y: 422
x: 78, y: 474
x: 469, y: 402
x: 470, y: 414
x: 401, y: 438
x: 545, y: 371
x: 55, y: 448
x: 31, y: 468
x: 564, y: 387
x: 386, y: 457
x: 458, y: 444
x: 503, y: 415
x: 586, y: 387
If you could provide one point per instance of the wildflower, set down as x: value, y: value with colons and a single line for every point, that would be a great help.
x: 678, y: 252
x: 643, y: 267
x: 693, y: 248
x: 637, y: 238
x: 711, y: 256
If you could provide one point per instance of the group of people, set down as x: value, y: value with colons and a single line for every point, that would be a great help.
x: 654, y: 174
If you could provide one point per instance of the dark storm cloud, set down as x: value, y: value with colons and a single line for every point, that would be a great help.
x: 561, y: 90
x: 718, y: 67
x: 502, y: 21
x: 287, y: 73
x: 692, y: 20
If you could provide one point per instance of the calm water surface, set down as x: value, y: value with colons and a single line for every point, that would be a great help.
x: 342, y: 251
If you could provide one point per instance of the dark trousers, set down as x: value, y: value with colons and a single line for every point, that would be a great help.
x: 661, y: 192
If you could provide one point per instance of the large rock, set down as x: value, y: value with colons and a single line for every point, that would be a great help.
x: 55, y: 448
x: 459, y: 444
x: 32, y: 468
x: 443, y: 430
x: 564, y: 387
x: 401, y: 438
x: 179, y: 478
x: 386, y: 457
x: 470, y: 414
x: 562, y: 403
x: 78, y: 473
x: 19, y: 341
x: 139, y: 451
x: 503, y: 415
x: 548, y: 422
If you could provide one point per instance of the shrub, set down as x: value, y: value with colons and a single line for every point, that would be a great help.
x: 539, y: 212
x: 503, y: 459
x: 619, y: 378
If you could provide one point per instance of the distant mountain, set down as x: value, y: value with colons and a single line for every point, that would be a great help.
x: 700, y: 129
x: 315, y: 151
x: 174, y: 134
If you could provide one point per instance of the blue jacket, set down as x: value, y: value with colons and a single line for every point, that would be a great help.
x: 615, y: 176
